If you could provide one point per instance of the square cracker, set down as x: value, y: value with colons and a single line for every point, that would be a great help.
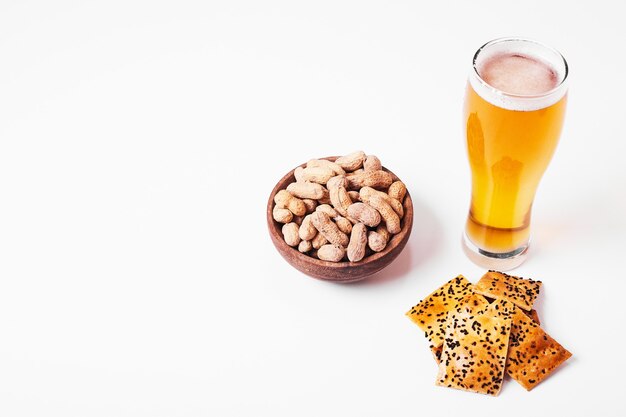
x: 430, y: 314
x: 468, y: 306
x: 474, y: 353
x: 520, y: 291
x: 533, y: 354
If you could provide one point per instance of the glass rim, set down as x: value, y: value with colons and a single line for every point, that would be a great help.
x: 558, y: 87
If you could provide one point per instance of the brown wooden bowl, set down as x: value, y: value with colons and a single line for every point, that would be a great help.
x: 338, y: 271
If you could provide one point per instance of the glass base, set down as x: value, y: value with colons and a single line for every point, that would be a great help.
x: 497, y: 261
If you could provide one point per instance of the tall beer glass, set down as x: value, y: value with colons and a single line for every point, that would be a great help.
x: 513, y: 114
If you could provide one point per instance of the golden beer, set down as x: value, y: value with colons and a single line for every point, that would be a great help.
x: 514, y: 109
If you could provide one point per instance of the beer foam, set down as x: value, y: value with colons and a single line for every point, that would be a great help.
x: 519, y: 75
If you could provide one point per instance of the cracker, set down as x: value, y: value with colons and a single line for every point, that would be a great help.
x: 533, y: 354
x: 468, y: 306
x: 436, y: 351
x: 430, y: 314
x: 533, y: 315
x: 474, y: 353
x: 520, y: 291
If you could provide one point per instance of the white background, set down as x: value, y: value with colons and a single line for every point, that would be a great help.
x: 139, y: 142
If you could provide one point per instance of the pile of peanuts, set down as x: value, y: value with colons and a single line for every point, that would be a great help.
x: 343, y: 209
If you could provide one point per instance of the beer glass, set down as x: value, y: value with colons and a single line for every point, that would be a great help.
x: 513, y: 113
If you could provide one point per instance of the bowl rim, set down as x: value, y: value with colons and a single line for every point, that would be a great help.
x: 396, y: 242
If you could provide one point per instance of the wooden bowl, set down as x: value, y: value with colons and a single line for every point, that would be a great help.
x: 338, y: 271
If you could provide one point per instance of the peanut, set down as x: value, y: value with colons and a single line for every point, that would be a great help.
x: 319, y: 240
x: 381, y: 229
x: 331, y: 253
x: 297, y: 173
x: 367, y: 192
x: 326, y: 163
x: 372, y: 163
x: 375, y: 179
x: 318, y: 174
x: 340, y: 199
x: 305, y: 189
x: 337, y: 181
x: 282, y: 215
x: 358, y: 243
x: 397, y: 190
x: 310, y: 204
x: 365, y: 214
x: 329, y: 229
x: 333, y: 186
x: 297, y: 220
x: 325, y: 208
x: 307, y: 231
x: 325, y: 199
x: 376, y: 241
x: 343, y: 224
x: 354, y: 195
x: 284, y: 199
x: 305, y: 246
x: 290, y: 233
x: 352, y: 161
x: 392, y: 221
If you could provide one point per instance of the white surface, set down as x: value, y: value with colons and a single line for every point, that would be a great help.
x: 139, y: 142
